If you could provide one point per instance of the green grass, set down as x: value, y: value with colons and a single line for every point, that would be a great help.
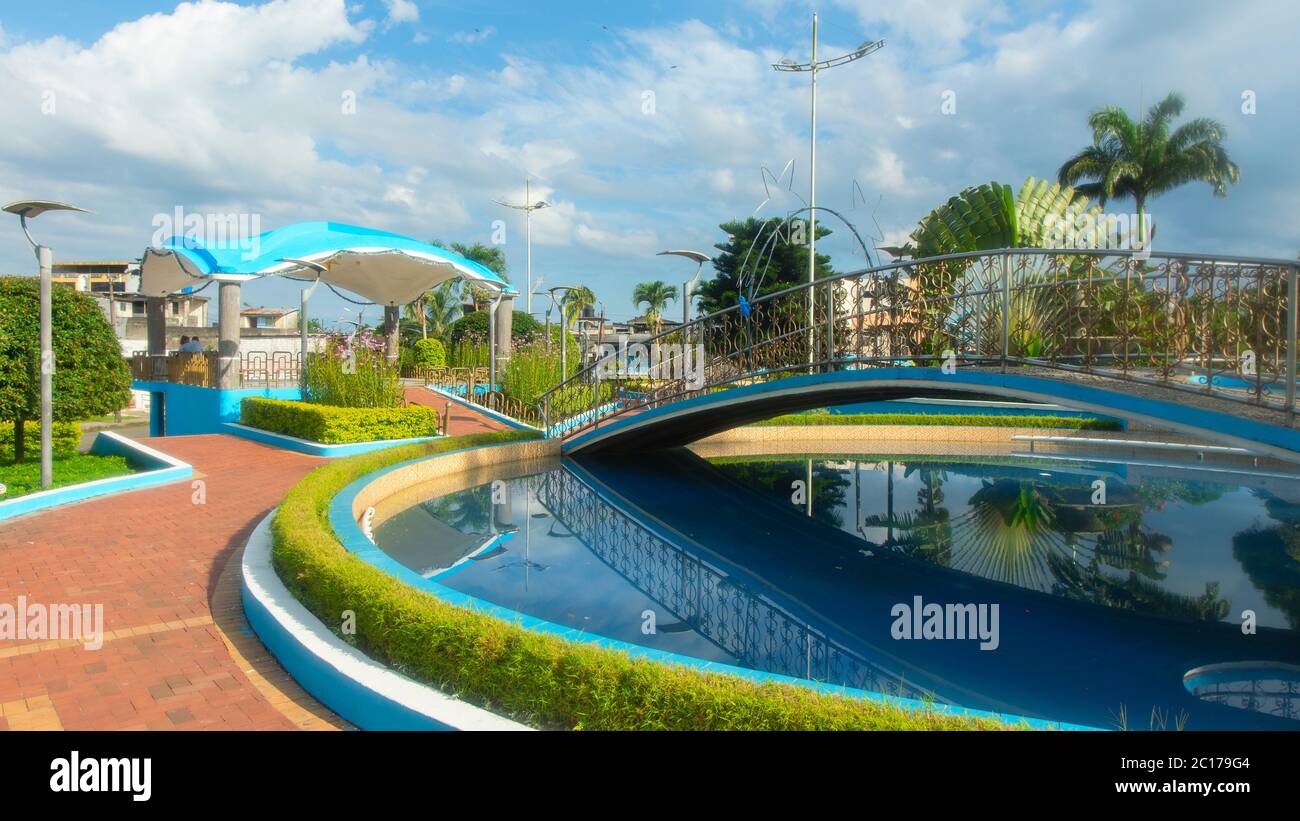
x: 960, y: 420
x: 22, y: 478
x: 536, y: 678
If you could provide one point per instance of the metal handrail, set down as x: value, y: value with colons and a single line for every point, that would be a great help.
x: 997, y: 289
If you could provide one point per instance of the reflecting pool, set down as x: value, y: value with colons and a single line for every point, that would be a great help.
x: 1102, y: 593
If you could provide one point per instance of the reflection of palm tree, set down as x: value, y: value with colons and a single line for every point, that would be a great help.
x: 469, y: 511
x: 1010, y: 533
x: 1089, y: 583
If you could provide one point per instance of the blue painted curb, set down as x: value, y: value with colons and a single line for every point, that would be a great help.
x: 155, y: 468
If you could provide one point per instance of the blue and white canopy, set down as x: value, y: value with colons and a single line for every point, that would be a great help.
x: 383, y: 267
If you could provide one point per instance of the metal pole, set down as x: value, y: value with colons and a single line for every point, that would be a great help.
x: 1006, y: 310
x: 812, y: 202
x: 528, y: 231
x: 45, y: 259
x: 492, y: 347
x: 1291, y: 294
x: 302, y: 334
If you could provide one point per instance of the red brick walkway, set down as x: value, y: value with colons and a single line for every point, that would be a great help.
x: 177, y: 652
x: 460, y: 419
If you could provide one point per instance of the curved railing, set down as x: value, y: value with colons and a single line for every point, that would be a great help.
x: 1218, y: 325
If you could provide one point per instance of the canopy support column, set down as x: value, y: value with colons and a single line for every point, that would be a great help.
x: 505, y: 314
x: 391, y: 340
x: 228, y: 295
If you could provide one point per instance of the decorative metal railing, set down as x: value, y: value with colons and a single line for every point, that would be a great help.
x: 472, y: 385
x: 744, y: 623
x: 1224, y: 326
x: 256, y: 368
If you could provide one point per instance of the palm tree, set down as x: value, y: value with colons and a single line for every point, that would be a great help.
x: 655, y: 295
x: 1144, y: 160
x: 574, y: 301
x: 491, y: 257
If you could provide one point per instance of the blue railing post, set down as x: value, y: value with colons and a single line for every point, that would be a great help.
x: 1006, y: 310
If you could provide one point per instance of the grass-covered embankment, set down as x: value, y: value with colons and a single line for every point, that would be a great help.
x: 21, y: 478
x: 968, y: 420
x: 540, y: 679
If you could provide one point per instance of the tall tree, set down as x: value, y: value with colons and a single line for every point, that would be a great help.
x: 1145, y: 159
x: 575, y: 301
x: 90, y: 377
x: 491, y: 257
x: 655, y: 295
x: 778, y: 260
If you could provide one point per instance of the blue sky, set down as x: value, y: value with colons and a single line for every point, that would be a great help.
x: 237, y: 108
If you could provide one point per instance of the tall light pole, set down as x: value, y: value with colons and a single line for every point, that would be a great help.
x: 45, y: 263
x: 688, y: 288
x: 555, y: 302
x: 528, y: 208
x: 305, y: 296
x: 813, y: 67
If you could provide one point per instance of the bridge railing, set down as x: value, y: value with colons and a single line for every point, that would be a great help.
x: 1218, y: 325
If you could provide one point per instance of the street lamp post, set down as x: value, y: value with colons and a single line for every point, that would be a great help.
x: 305, y: 296
x: 555, y: 302
x: 688, y: 288
x: 528, y: 208
x: 45, y: 262
x: 813, y: 66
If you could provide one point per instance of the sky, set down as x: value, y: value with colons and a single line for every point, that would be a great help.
x: 644, y: 125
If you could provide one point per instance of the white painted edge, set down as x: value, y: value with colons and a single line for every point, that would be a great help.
x: 145, y: 449
x: 172, y: 462
x: 1124, y: 443
x: 263, y: 583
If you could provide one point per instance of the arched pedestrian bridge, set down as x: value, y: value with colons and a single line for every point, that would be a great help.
x: 1197, y: 343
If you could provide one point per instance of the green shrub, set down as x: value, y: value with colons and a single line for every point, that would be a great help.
x: 337, y: 426
x: 67, y: 436
x: 428, y: 353
x: 25, y: 477
x: 971, y: 420
x: 538, y: 678
x: 473, y: 328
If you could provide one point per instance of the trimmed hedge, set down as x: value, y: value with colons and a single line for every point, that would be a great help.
x: 332, y: 425
x: 67, y: 436
x: 537, y: 678
x: 971, y: 420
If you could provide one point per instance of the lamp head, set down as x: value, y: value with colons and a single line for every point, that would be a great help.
x: 34, y: 208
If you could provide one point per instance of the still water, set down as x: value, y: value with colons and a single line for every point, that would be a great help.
x: 1104, y: 594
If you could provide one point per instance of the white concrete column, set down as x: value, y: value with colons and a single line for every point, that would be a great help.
x: 228, y: 336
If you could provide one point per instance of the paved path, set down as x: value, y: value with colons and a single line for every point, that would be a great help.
x: 460, y: 419
x: 163, y: 562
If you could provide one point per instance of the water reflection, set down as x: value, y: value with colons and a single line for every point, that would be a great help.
x: 1105, y: 606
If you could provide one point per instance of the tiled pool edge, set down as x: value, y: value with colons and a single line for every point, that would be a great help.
x: 160, y: 469
x: 356, y: 687
x: 342, y: 515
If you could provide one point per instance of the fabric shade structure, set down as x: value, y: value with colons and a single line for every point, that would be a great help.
x: 383, y: 267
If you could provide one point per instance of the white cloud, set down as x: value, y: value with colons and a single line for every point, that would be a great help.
x: 478, y: 35
x: 218, y: 106
x: 401, y: 11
